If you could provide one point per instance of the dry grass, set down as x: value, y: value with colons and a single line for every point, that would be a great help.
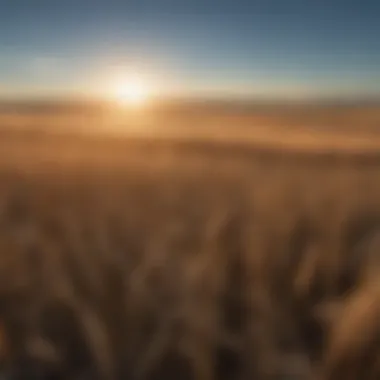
x: 125, y: 259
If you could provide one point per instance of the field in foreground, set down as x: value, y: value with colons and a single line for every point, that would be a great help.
x: 165, y: 260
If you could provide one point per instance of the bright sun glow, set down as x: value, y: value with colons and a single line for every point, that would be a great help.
x: 132, y: 92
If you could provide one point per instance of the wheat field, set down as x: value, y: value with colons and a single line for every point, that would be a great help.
x: 127, y: 258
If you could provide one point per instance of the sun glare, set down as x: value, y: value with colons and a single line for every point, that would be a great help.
x: 132, y: 92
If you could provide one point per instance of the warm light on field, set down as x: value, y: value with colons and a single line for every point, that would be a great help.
x: 132, y: 91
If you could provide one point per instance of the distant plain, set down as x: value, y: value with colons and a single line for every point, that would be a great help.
x: 242, y: 226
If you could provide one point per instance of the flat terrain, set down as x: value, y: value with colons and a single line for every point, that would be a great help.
x: 293, y: 127
x: 242, y: 246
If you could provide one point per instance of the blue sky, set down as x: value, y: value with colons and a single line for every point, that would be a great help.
x: 192, y: 47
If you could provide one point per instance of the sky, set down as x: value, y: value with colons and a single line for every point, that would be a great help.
x: 212, y: 48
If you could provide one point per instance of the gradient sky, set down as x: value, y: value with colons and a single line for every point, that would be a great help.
x: 192, y: 47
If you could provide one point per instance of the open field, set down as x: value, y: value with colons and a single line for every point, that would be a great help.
x: 245, y: 253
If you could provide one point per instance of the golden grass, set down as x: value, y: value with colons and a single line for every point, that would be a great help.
x: 127, y: 258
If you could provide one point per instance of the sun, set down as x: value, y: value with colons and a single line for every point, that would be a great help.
x: 132, y: 91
